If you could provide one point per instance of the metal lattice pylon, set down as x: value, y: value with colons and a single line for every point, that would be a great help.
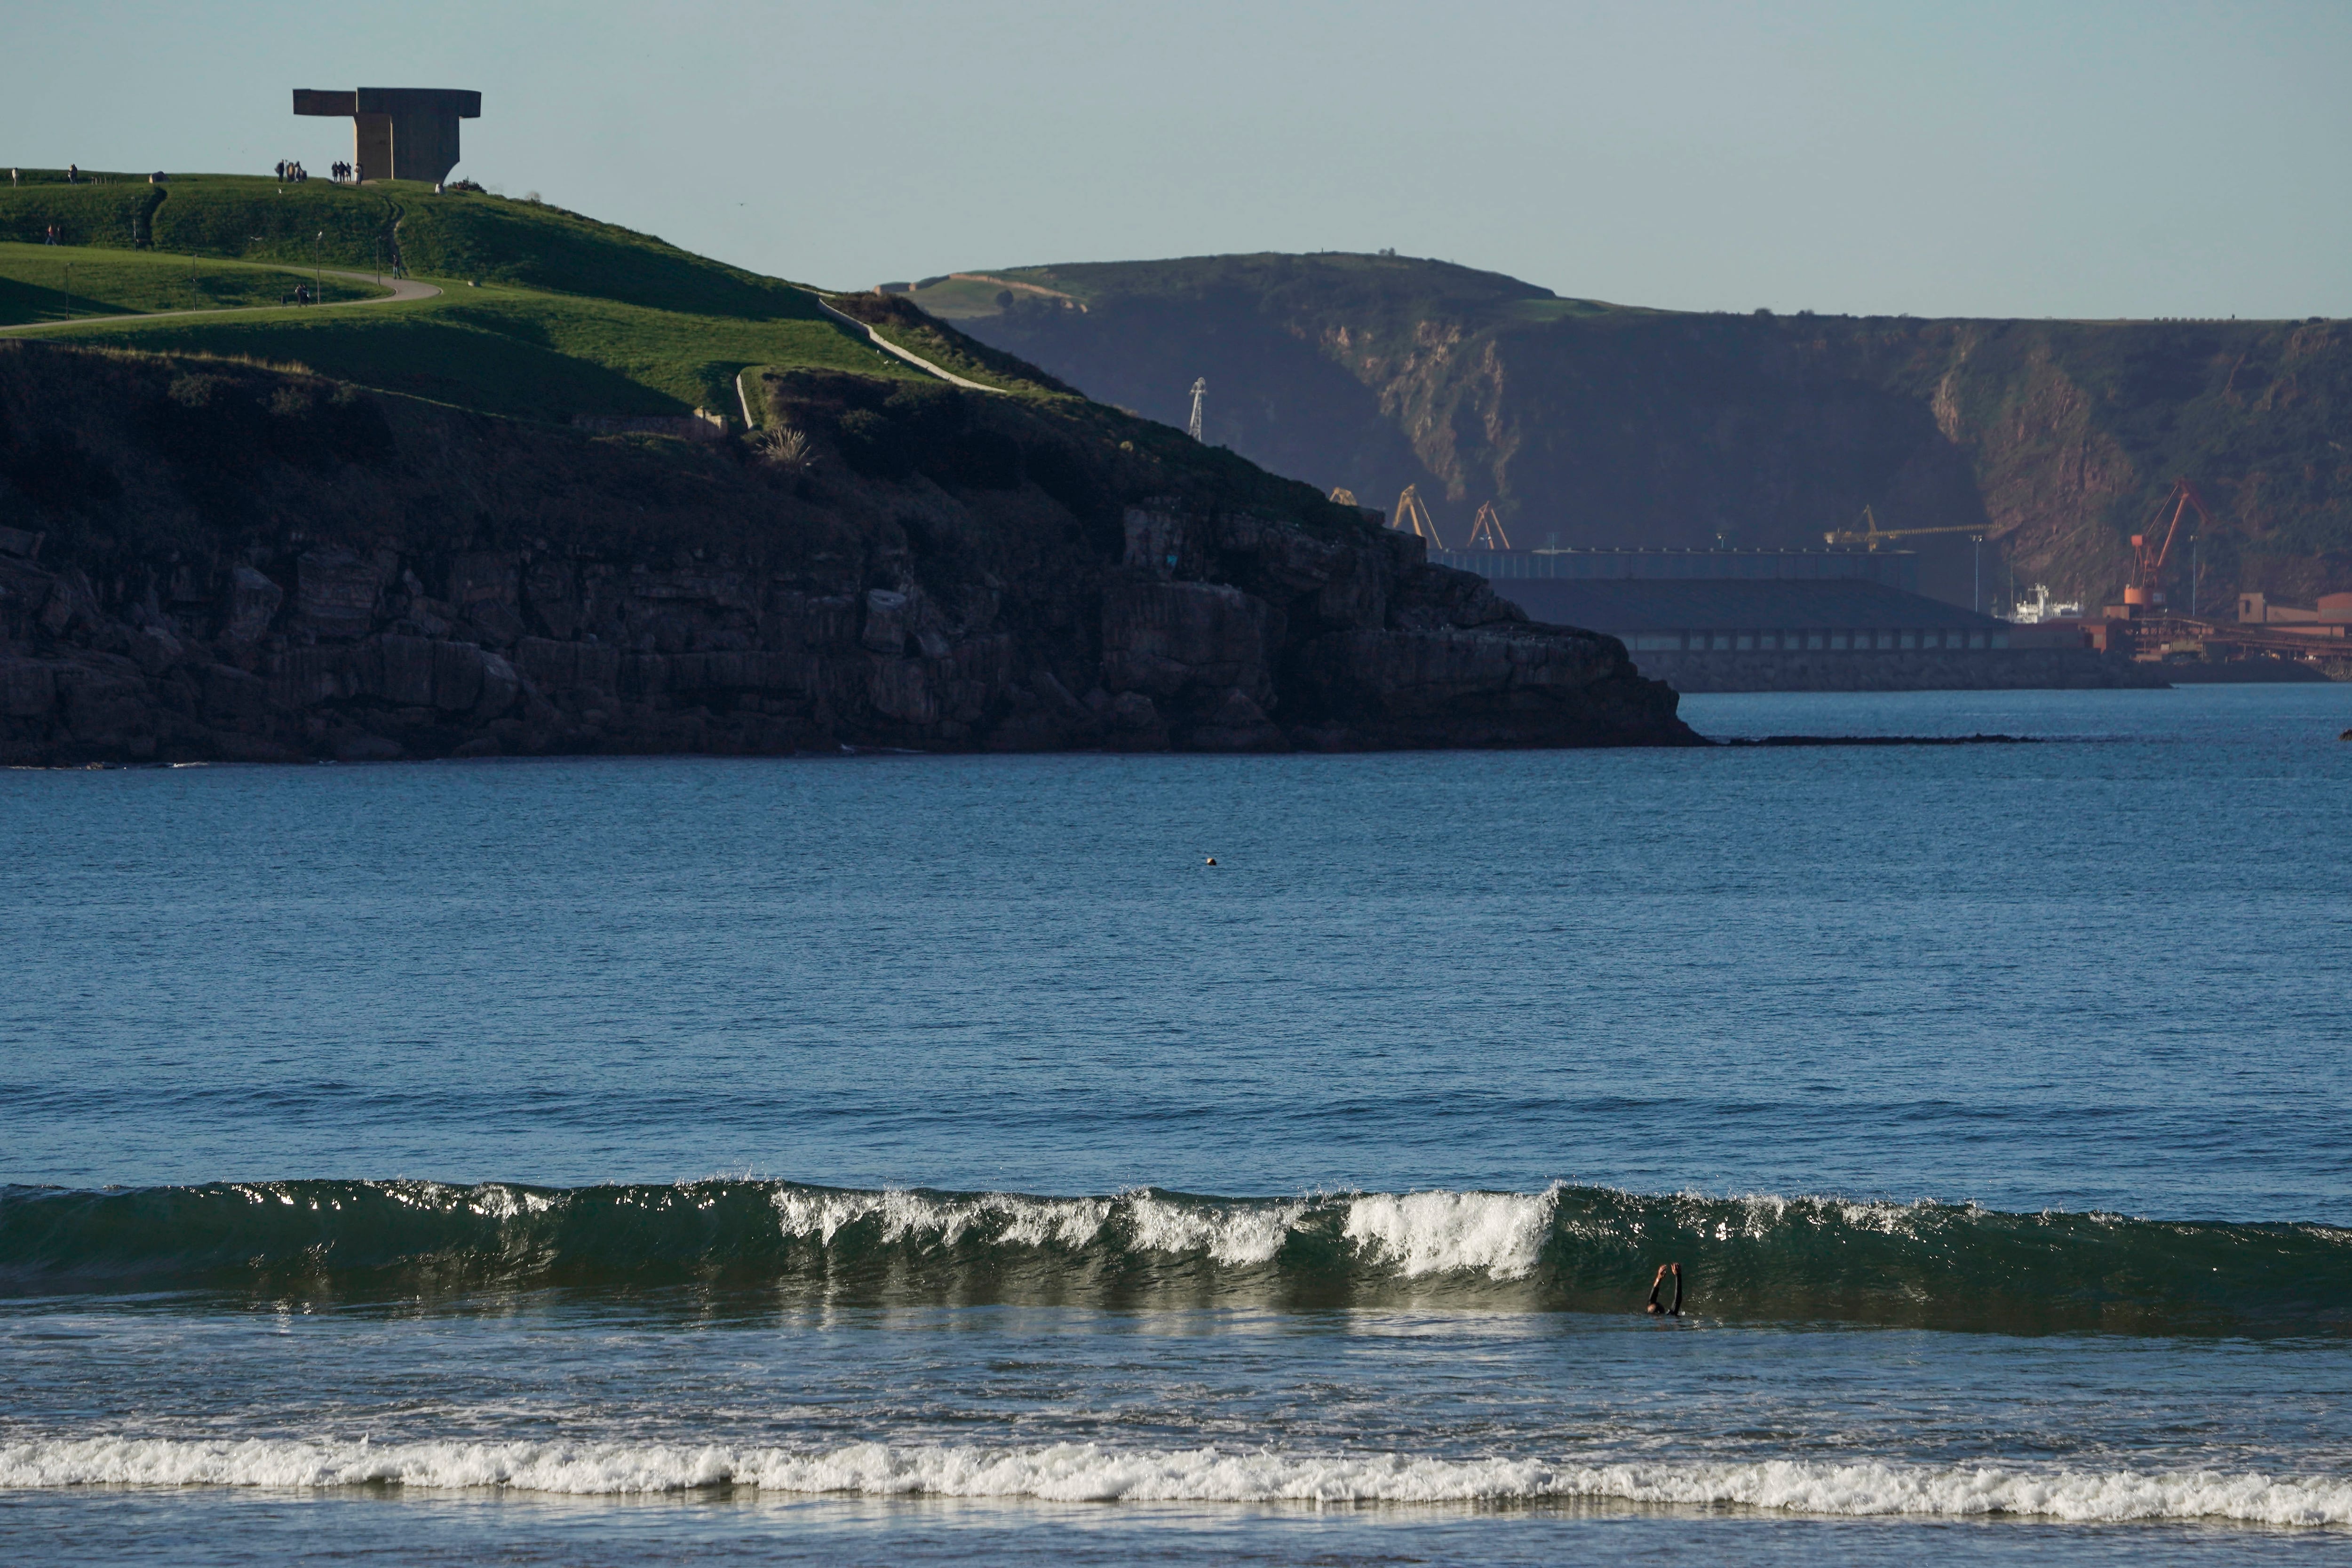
x: 1413, y: 518
x: 1199, y: 392
x: 1486, y: 531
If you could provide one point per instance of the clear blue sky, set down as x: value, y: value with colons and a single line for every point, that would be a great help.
x: 2066, y: 159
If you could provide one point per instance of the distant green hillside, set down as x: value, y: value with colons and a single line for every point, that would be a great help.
x: 1353, y: 285
x: 1586, y: 423
x: 544, y: 314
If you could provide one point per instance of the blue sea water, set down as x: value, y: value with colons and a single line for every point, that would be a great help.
x: 905, y: 1159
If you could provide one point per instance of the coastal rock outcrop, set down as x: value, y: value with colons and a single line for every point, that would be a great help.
x: 948, y: 573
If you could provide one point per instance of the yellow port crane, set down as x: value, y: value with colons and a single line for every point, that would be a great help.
x: 1413, y: 518
x: 1486, y: 531
x: 1345, y: 497
x: 1871, y: 533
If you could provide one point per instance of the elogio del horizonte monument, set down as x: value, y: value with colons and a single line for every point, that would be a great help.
x: 398, y: 132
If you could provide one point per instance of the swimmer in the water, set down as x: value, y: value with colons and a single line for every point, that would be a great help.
x: 1212, y: 859
x: 1659, y: 1283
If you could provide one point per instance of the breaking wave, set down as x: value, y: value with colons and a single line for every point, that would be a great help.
x: 1568, y: 1247
x: 1088, y: 1472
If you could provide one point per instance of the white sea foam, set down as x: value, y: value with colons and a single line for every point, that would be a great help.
x: 913, y: 1216
x: 1232, y: 1234
x: 1498, y: 1233
x: 1237, y: 1235
x: 1073, y: 1472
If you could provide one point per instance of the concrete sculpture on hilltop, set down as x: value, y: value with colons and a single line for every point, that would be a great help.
x: 398, y: 132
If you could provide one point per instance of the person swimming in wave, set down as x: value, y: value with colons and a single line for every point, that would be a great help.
x: 1658, y: 1284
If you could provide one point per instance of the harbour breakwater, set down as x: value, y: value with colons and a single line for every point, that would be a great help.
x: 1903, y: 670
x: 212, y: 561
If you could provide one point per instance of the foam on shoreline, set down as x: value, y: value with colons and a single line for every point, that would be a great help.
x: 1086, y: 1472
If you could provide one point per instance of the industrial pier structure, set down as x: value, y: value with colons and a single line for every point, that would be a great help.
x: 2263, y: 633
x: 1715, y: 621
x: 2277, y: 640
x: 1851, y: 619
x: 1894, y: 568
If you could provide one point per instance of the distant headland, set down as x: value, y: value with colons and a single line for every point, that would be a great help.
x: 298, y: 469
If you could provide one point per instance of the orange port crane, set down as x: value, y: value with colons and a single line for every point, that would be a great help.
x: 1486, y: 531
x: 2149, y: 556
x: 1413, y: 518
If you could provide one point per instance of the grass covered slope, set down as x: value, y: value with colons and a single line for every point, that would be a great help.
x: 520, y: 352
x: 545, y: 314
x: 460, y: 234
x: 954, y: 351
x: 1601, y: 425
x: 35, y: 280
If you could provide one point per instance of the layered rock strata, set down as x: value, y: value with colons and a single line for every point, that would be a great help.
x: 441, y: 584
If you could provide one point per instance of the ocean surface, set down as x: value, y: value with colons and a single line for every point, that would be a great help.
x: 907, y: 1160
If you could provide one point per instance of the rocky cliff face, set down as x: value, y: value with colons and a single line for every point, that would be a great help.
x: 1593, y: 425
x: 201, y: 560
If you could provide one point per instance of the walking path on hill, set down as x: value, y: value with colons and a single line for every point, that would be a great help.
x: 913, y: 357
x: 404, y: 291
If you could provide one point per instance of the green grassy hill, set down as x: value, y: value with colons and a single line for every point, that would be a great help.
x: 461, y: 234
x: 53, y: 283
x: 544, y: 314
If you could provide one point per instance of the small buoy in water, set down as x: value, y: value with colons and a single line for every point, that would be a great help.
x: 1212, y: 859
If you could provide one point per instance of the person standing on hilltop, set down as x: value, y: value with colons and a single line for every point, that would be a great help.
x: 73, y: 173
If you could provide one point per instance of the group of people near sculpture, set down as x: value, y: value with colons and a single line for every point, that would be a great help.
x: 293, y: 173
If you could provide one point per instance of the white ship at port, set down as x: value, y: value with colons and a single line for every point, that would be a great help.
x: 2034, y: 611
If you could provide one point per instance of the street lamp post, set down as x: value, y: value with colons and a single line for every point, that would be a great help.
x: 318, y: 289
x: 1976, y: 593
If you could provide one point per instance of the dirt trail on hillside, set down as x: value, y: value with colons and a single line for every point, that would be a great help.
x: 402, y: 291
